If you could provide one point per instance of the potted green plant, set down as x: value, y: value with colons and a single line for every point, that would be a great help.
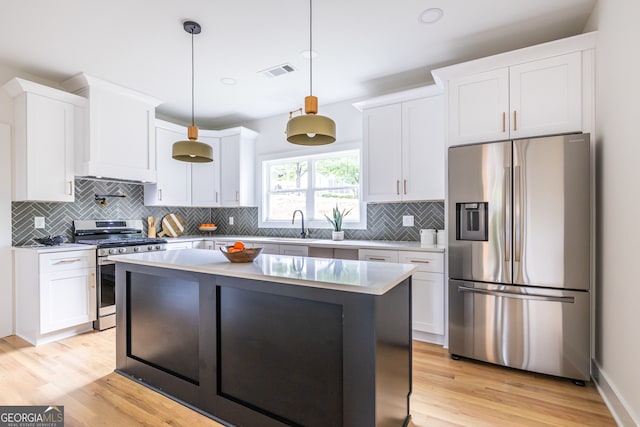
x: 336, y: 222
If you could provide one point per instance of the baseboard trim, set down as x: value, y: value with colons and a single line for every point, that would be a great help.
x: 610, y: 396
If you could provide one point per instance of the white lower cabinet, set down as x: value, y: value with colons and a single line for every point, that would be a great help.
x: 55, y: 293
x: 208, y: 244
x: 295, y: 250
x: 427, y: 296
x: 427, y: 290
x: 179, y: 245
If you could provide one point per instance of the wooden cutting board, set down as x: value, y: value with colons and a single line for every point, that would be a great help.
x: 172, y: 225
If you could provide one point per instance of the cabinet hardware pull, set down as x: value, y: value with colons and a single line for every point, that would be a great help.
x: 216, y: 197
x: 375, y: 259
x: 67, y: 261
x: 420, y: 261
x: 71, y: 188
x: 489, y: 292
x: 405, y: 187
x: 237, y: 196
x: 160, y: 194
x: 515, y: 121
x: 398, y: 187
x: 504, y: 121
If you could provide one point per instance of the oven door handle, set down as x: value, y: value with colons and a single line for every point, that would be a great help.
x: 105, y: 261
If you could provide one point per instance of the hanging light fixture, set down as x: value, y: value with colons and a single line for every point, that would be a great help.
x: 192, y: 150
x: 310, y: 128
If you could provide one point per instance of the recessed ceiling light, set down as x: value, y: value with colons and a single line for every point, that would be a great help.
x: 431, y: 15
x: 308, y: 54
x: 229, y: 81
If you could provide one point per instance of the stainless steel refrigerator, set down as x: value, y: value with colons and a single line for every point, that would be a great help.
x: 519, y: 254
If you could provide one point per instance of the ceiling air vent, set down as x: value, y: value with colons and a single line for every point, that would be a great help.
x: 279, y: 70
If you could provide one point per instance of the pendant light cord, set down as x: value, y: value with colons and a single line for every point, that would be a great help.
x: 310, y: 48
x: 192, y: 83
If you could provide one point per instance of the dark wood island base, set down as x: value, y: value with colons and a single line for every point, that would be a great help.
x: 259, y: 353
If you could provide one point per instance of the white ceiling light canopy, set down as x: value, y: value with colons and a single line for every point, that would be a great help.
x: 431, y: 15
x: 192, y: 150
x: 310, y: 128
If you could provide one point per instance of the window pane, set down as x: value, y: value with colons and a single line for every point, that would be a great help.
x: 282, y: 205
x: 338, y: 171
x: 288, y: 176
x: 346, y: 198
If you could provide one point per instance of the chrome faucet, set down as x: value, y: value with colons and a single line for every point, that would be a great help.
x: 303, y: 233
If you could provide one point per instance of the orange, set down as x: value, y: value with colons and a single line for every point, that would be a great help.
x: 238, y: 245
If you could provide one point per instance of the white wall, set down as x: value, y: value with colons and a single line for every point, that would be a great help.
x: 617, y: 333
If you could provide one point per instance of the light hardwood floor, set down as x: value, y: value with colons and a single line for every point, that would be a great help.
x: 78, y: 373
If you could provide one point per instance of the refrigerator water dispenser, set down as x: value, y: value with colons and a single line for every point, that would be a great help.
x: 471, y: 221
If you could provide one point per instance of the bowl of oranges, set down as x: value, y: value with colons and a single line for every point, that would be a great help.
x: 207, y: 227
x: 239, y: 253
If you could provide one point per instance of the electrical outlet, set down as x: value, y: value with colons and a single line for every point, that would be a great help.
x: 38, y: 222
x: 407, y: 221
x: 230, y: 220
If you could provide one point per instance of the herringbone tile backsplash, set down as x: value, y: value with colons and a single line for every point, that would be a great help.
x: 384, y: 220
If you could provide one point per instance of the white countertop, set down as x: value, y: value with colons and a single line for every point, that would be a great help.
x: 374, y: 278
x: 64, y: 247
x: 321, y: 243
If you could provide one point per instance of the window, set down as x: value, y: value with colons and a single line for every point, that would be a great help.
x: 314, y: 184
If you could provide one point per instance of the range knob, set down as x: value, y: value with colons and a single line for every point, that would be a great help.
x: 136, y: 249
x: 122, y: 250
x: 150, y: 248
x: 158, y: 247
x: 113, y: 251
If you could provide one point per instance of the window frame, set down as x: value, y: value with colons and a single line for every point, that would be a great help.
x: 308, y: 154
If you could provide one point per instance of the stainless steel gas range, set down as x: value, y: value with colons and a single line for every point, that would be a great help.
x: 112, y: 237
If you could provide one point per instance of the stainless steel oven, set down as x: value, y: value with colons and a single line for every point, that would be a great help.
x: 112, y: 237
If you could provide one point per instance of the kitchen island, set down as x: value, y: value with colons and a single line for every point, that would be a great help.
x: 280, y: 341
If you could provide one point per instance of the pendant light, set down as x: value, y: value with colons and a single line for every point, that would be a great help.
x: 192, y: 150
x: 310, y: 128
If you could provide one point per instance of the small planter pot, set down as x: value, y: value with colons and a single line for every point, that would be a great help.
x: 337, y: 235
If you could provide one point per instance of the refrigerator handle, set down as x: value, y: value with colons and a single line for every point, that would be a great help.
x: 517, y: 210
x: 569, y: 300
x: 507, y: 214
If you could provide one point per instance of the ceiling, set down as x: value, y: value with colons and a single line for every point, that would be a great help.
x: 365, y: 48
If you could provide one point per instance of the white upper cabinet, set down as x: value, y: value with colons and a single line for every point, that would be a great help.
x: 403, y: 150
x: 546, y: 96
x: 230, y: 175
x: 119, y: 131
x: 535, y: 98
x: 478, y: 107
x: 205, y: 177
x: 238, y: 167
x: 43, y: 141
x: 540, y: 90
x: 423, y: 132
x: 382, y: 153
x: 173, y: 184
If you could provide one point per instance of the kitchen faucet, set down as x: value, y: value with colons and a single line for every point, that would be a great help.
x: 303, y: 233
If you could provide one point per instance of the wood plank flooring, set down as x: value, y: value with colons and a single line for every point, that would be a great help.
x: 78, y: 373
